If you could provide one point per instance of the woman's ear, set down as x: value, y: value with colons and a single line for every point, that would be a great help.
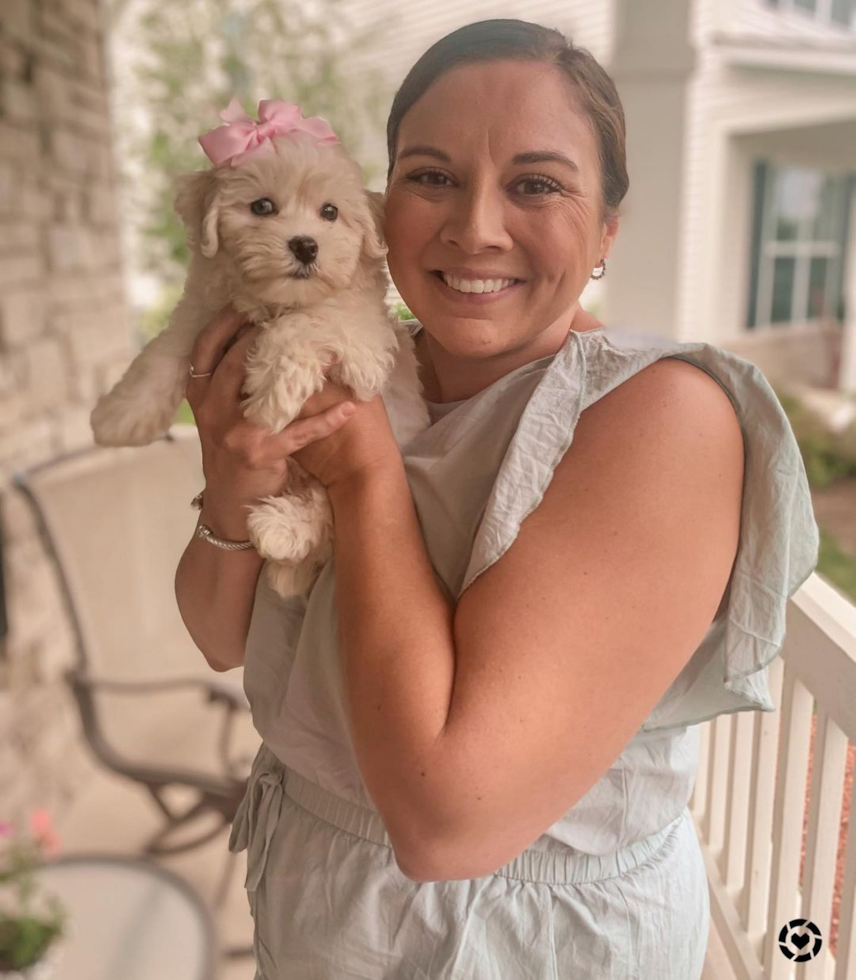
x: 371, y: 221
x: 610, y: 230
x: 197, y: 204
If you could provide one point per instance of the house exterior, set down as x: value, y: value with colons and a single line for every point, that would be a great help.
x: 741, y: 141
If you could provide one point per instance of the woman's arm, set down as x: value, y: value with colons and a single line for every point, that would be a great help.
x: 396, y: 649
x: 560, y: 649
x: 395, y: 625
x: 215, y: 590
x: 242, y: 463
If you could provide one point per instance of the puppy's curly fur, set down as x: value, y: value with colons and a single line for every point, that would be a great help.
x: 313, y: 277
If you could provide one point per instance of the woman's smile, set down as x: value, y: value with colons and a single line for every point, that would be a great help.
x: 470, y: 289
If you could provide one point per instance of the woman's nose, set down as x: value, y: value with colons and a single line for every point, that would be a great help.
x: 476, y: 222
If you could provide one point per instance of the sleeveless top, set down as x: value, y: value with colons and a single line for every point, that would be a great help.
x: 475, y: 474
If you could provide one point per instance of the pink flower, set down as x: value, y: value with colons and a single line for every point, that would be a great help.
x: 42, y: 826
x: 6, y: 829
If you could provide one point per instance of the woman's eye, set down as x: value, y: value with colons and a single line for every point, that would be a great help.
x: 544, y: 183
x: 329, y: 212
x: 264, y: 205
x: 429, y: 178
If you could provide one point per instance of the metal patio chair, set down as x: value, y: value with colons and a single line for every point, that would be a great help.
x: 115, y: 522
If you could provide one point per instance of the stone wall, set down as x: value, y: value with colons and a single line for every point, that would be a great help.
x: 65, y: 336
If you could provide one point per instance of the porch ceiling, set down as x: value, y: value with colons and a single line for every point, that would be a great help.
x: 833, y: 57
x: 828, y: 144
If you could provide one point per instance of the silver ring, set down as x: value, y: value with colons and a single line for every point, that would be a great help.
x: 192, y: 375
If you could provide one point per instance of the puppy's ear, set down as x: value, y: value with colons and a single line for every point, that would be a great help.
x: 370, y: 218
x: 197, y: 204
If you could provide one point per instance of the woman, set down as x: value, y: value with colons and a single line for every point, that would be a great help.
x: 479, y: 726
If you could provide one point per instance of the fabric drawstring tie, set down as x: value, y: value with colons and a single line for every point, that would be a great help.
x: 255, y: 822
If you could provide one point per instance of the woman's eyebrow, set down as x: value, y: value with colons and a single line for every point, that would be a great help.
x: 425, y: 151
x: 545, y: 156
x: 532, y: 156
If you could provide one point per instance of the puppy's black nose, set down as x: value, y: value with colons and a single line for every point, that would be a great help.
x: 304, y: 248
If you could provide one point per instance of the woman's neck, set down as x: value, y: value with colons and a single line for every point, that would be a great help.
x: 448, y: 379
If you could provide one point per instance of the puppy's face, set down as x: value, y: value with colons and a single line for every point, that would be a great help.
x: 295, y: 225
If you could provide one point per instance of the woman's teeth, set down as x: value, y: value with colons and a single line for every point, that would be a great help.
x: 477, y: 285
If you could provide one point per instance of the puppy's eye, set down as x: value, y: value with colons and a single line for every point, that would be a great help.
x: 264, y: 205
x: 329, y: 212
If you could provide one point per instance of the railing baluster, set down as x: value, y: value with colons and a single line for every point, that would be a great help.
x: 754, y: 899
x: 738, y: 802
x: 845, y: 959
x: 791, y: 769
x: 698, y: 800
x: 719, y: 788
x: 824, y: 821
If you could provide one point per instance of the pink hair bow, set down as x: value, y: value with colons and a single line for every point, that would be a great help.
x: 242, y: 137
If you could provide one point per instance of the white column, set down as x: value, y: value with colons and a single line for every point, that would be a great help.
x: 847, y: 369
x: 652, y: 63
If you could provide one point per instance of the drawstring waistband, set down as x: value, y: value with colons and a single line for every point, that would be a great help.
x: 259, y: 812
x: 260, y: 808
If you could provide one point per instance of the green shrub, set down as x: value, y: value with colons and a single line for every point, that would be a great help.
x: 827, y: 455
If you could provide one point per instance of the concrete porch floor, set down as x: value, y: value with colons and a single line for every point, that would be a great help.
x: 113, y: 815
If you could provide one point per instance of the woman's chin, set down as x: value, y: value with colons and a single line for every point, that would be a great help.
x: 468, y: 336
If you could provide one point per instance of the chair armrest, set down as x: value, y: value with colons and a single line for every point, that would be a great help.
x: 228, y: 691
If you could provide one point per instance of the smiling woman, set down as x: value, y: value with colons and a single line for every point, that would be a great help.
x: 535, y: 601
x: 495, y: 214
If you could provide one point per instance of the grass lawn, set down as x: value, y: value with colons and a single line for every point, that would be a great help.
x: 836, y: 565
x: 184, y: 416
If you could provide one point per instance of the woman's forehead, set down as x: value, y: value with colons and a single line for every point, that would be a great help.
x: 508, y: 106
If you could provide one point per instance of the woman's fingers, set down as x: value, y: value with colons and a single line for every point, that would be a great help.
x: 213, y: 339
x: 300, y: 433
x: 223, y: 388
x: 208, y: 349
x: 222, y: 348
x: 230, y: 373
x: 262, y: 449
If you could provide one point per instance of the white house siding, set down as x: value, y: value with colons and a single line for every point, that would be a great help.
x: 728, y: 109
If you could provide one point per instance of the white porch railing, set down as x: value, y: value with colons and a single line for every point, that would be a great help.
x: 750, y: 798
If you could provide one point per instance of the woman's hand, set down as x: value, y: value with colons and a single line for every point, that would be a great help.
x: 363, y: 443
x: 242, y: 462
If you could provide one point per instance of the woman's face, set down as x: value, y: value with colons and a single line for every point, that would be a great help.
x: 496, y: 178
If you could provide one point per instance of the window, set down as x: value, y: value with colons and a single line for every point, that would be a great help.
x: 799, y: 244
x: 839, y: 12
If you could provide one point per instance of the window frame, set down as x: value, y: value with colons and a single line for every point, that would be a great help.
x: 766, y: 248
x: 822, y: 13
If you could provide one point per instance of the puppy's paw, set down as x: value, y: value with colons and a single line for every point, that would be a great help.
x: 265, y: 408
x: 282, y: 530
x: 278, y: 383
x: 142, y: 405
x: 123, y: 421
x: 365, y: 376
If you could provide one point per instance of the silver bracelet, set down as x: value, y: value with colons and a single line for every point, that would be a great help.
x: 205, y: 532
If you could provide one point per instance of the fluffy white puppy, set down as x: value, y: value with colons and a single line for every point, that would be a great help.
x: 292, y: 239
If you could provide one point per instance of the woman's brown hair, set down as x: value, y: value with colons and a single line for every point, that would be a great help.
x: 491, y: 40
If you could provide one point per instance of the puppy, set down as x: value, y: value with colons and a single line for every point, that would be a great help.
x: 292, y: 239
